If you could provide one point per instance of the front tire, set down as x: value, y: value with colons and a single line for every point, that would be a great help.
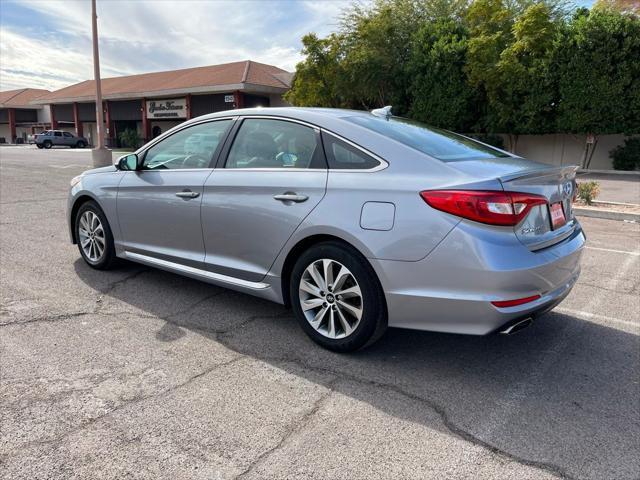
x: 81, y: 144
x: 39, y: 145
x: 94, y: 237
x: 47, y: 144
x: 336, y: 297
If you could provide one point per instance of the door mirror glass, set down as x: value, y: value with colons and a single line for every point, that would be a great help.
x: 128, y: 162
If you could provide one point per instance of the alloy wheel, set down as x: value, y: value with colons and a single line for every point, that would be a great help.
x: 91, y: 236
x: 330, y: 298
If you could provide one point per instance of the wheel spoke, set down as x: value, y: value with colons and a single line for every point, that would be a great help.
x: 99, y: 239
x: 317, y: 320
x: 327, y: 267
x: 350, y: 292
x: 343, y: 274
x: 95, y: 222
x: 84, y: 222
x: 85, y: 242
x: 344, y: 323
x: 312, y: 303
x: 99, y: 248
x: 317, y: 277
x: 355, y: 311
x: 307, y: 287
x: 331, y: 325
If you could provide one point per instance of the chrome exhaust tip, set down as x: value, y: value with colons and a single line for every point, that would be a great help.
x: 517, y: 326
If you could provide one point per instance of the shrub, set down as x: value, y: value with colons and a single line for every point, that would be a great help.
x: 627, y: 156
x: 588, y: 191
x: 129, y: 138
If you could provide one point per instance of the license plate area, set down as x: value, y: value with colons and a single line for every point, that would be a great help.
x: 558, y: 218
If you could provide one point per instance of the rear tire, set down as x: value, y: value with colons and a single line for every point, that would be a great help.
x: 94, y: 237
x: 39, y: 145
x: 344, y: 305
x: 47, y: 144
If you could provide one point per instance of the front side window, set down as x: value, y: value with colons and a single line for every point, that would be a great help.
x: 192, y: 147
x: 270, y: 143
x: 68, y: 135
x: 435, y: 142
x: 57, y: 134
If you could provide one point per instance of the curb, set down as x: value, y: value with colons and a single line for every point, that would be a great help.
x: 607, y: 214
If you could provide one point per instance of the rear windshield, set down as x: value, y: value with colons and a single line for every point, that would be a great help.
x: 441, y: 144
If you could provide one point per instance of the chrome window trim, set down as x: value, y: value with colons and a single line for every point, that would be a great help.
x: 172, y: 170
x: 282, y: 119
x: 382, y: 162
x: 194, y: 271
x: 270, y: 169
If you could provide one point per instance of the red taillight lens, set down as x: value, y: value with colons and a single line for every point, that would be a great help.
x: 490, y: 207
x: 514, y: 303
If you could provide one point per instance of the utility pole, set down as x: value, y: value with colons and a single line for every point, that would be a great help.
x: 100, y: 155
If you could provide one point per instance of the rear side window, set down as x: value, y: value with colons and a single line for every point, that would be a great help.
x: 441, y: 144
x: 68, y: 135
x: 271, y: 143
x: 343, y: 156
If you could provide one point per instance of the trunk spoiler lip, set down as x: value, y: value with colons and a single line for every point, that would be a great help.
x: 565, y: 171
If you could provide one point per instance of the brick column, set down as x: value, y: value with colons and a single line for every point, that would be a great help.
x: 238, y: 99
x: 146, y: 124
x: 12, y: 125
x: 188, y: 103
x: 76, y: 120
x: 109, y: 127
x: 54, y: 122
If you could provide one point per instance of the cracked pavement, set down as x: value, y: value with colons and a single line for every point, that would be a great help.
x: 139, y: 373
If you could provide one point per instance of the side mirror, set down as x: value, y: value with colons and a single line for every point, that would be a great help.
x: 128, y: 162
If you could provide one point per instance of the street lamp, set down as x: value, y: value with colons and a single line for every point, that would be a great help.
x: 100, y: 155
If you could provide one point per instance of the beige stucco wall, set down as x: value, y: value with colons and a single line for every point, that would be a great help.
x: 565, y: 149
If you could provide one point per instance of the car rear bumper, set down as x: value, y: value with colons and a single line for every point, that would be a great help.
x: 451, y: 290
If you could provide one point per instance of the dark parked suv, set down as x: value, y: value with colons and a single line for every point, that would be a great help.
x: 50, y: 138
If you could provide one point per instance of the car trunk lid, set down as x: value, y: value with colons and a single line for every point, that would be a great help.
x: 547, y: 224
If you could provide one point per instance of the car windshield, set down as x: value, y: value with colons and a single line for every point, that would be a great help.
x: 441, y: 144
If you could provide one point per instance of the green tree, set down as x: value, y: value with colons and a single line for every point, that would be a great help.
x: 439, y: 93
x: 598, y: 73
x: 490, y: 25
x: 320, y: 80
x: 522, y: 94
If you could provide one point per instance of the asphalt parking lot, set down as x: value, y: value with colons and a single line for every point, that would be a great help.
x: 139, y: 373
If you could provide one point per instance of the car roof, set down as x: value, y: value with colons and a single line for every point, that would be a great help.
x: 318, y: 116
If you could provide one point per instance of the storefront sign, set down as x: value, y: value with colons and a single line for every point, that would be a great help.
x: 229, y: 99
x: 171, y: 108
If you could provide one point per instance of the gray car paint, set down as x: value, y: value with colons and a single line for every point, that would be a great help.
x: 438, y: 272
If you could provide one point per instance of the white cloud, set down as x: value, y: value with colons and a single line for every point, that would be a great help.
x: 143, y: 36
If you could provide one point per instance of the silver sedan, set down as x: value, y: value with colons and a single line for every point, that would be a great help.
x: 356, y: 220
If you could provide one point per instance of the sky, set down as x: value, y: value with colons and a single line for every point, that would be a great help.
x: 47, y: 43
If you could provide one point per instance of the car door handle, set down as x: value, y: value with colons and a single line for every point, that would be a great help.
x: 187, y: 194
x: 291, y: 197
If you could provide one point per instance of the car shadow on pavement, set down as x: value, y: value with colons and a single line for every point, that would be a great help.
x: 561, y: 395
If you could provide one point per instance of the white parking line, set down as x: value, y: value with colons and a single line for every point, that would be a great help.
x: 595, y: 316
x: 613, y: 251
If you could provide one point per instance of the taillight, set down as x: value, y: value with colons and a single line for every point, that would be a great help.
x: 490, y: 207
